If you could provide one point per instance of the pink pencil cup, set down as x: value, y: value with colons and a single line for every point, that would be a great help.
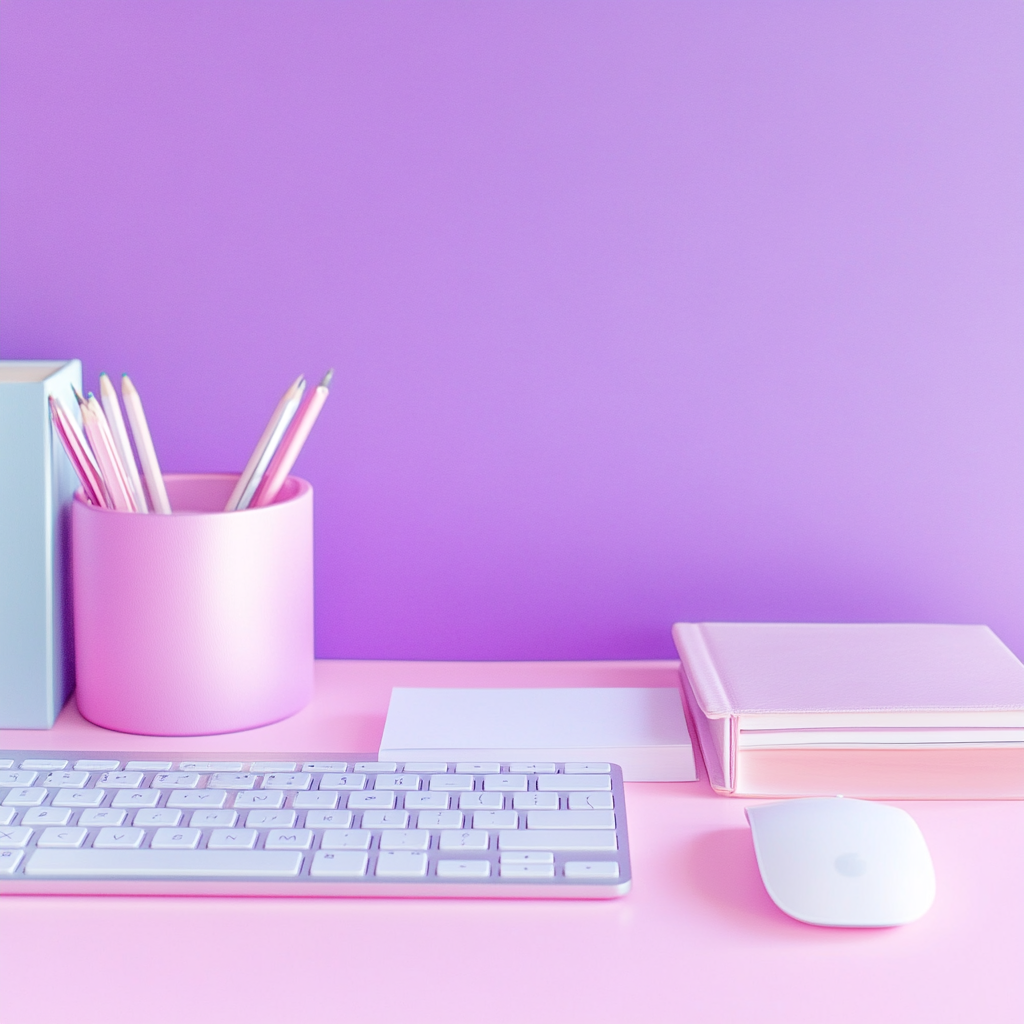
x: 198, y: 622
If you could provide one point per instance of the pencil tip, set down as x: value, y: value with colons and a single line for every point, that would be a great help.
x: 327, y: 378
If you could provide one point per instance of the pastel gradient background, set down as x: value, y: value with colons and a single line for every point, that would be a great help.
x: 640, y: 311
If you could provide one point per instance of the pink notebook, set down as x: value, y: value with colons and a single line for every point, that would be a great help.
x: 887, y: 710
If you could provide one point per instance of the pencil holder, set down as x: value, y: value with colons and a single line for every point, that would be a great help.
x: 197, y: 622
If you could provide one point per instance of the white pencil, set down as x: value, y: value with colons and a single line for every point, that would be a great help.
x: 264, y: 451
x: 292, y: 444
x: 115, y: 421
x: 98, y: 433
x: 144, y: 446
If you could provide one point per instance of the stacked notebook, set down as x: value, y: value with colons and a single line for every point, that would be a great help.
x: 879, y: 711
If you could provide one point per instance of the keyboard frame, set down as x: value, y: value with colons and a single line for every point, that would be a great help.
x: 493, y: 887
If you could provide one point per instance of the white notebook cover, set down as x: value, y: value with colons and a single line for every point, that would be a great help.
x: 641, y: 729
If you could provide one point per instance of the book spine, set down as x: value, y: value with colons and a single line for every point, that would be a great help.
x: 712, y: 735
x: 38, y: 482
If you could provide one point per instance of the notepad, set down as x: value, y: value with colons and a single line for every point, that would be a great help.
x: 642, y: 729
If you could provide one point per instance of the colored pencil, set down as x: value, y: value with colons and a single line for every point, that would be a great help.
x: 144, y: 446
x: 115, y: 421
x: 78, y: 452
x: 266, y: 448
x: 102, y: 443
x: 292, y: 444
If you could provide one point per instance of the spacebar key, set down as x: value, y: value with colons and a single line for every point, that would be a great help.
x: 164, y: 864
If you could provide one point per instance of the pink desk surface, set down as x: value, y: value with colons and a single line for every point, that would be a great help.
x: 696, y: 940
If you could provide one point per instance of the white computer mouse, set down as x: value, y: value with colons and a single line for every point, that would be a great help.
x: 843, y: 863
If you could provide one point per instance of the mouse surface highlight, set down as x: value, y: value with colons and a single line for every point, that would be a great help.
x: 843, y: 863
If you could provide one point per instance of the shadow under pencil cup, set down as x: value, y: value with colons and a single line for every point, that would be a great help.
x: 198, y: 622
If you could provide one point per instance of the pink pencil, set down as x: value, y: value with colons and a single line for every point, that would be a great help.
x: 78, y: 452
x: 292, y: 444
x: 98, y: 433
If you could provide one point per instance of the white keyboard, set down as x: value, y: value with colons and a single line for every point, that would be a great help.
x: 308, y: 825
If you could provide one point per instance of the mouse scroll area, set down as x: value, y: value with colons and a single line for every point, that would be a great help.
x: 843, y: 863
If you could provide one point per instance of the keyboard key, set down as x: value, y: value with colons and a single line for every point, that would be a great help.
x: 102, y: 816
x: 590, y: 802
x: 505, y: 784
x: 153, y: 816
x: 570, y: 819
x: 587, y: 768
x: 9, y: 861
x: 213, y: 819
x: 73, y: 780
x: 534, y: 800
x: 328, y: 819
x: 384, y: 799
x: 270, y: 819
x: 175, y: 780
x: 533, y: 767
x: 118, y: 839
x: 6, y: 762
x: 271, y: 800
x: 148, y: 766
x: 481, y: 801
x: 288, y: 780
x: 451, y: 783
x: 478, y: 767
x: 401, y: 864
x: 61, y: 838
x: 25, y: 796
x: 164, y: 863
x: 272, y: 766
x: 426, y: 801
x: 396, y: 782
x: 44, y: 764
x: 89, y: 765
x: 385, y: 819
x: 232, y: 839
x: 197, y: 798
x: 574, y: 783
x: 332, y: 781
x: 46, y: 816
x: 591, y: 869
x: 325, y: 766
x: 426, y: 767
x: 175, y: 839
x: 375, y: 766
x: 17, y: 779
x: 462, y: 840
x: 526, y: 870
x: 233, y: 780
x: 14, y: 837
x: 439, y: 819
x: 347, y: 839
x: 463, y: 868
x: 315, y: 799
x: 120, y: 780
x: 405, y: 839
x: 7, y: 815
x: 136, y: 798
x: 210, y: 766
x: 79, y: 797
x: 338, y: 865
x: 497, y: 819
x: 288, y: 839
x: 567, y: 840
x: 522, y: 857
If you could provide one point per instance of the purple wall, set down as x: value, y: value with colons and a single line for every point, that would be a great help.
x: 640, y: 311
